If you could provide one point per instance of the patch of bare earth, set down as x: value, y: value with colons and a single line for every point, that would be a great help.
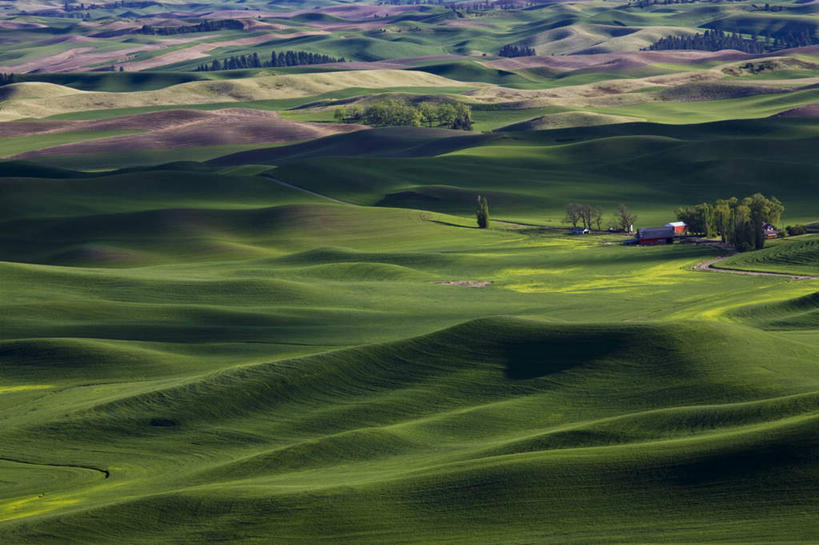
x: 79, y: 58
x: 367, y: 65
x: 238, y: 14
x: 198, y: 51
x: 147, y: 122
x: 14, y: 25
x: 392, y: 64
x: 704, y: 84
x: 462, y: 23
x: 810, y: 110
x: 352, y: 12
x: 614, y: 61
x: 182, y: 129
x: 413, y: 60
x: 253, y: 24
x: 357, y: 26
x: 465, y: 283
x: 66, y: 61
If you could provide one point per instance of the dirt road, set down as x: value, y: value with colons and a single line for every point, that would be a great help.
x: 708, y: 266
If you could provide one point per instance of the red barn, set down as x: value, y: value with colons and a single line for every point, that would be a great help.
x: 655, y: 235
x: 679, y: 227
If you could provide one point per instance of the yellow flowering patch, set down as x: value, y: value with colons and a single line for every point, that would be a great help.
x: 31, y: 506
x: 534, y: 272
x: 24, y: 387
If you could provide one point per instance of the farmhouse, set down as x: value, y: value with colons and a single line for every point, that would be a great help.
x: 680, y: 227
x: 655, y: 235
x: 769, y: 230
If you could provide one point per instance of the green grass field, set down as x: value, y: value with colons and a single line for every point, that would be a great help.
x: 303, y: 341
x: 654, y: 168
x: 218, y: 357
x: 14, y: 146
x: 799, y: 255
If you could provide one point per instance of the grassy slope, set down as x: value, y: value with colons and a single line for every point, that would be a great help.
x: 594, y: 26
x: 52, y: 99
x: 274, y: 104
x: 195, y: 349
x: 793, y: 255
x: 193, y: 355
x: 15, y: 146
x: 653, y: 168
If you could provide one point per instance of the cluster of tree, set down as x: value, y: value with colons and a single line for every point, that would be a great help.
x: 398, y: 29
x: 715, y: 40
x: 480, y: 5
x: 482, y: 212
x: 592, y: 216
x: 204, y: 26
x: 396, y: 112
x: 71, y: 6
x: 85, y: 16
x: 648, y: 3
x: 511, y: 50
x: 766, y: 7
x: 739, y: 222
x: 794, y: 230
x: 5, y: 79
x: 282, y: 58
x: 586, y: 214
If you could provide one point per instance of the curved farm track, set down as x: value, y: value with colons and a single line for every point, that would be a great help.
x: 708, y: 266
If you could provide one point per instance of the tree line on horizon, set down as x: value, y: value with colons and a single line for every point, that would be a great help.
x: 716, y: 40
x: 648, y: 3
x: 70, y: 5
x: 399, y: 112
x: 204, y: 26
x: 469, y: 6
x: 280, y: 59
x: 738, y: 222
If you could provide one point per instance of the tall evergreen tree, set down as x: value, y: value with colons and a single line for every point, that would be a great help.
x: 482, y: 212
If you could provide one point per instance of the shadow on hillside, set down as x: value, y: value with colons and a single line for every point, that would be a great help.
x: 528, y: 360
x: 448, y: 224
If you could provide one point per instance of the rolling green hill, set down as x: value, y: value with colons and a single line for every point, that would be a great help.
x: 530, y: 176
x: 194, y: 353
x: 796, y: 256
x: 226, y: 327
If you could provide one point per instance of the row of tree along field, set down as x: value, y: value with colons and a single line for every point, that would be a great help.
x: 716, y: 40
x: 398, y: 112
x: 280, y: 59
x: 738, y: 222
x: 204, y: 26
x: 589, y: 216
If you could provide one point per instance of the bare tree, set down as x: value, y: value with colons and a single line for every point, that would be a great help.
x: 624, y: 218
x: 597, y: 215
x: 573, y: 213
x: 586, y: 212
